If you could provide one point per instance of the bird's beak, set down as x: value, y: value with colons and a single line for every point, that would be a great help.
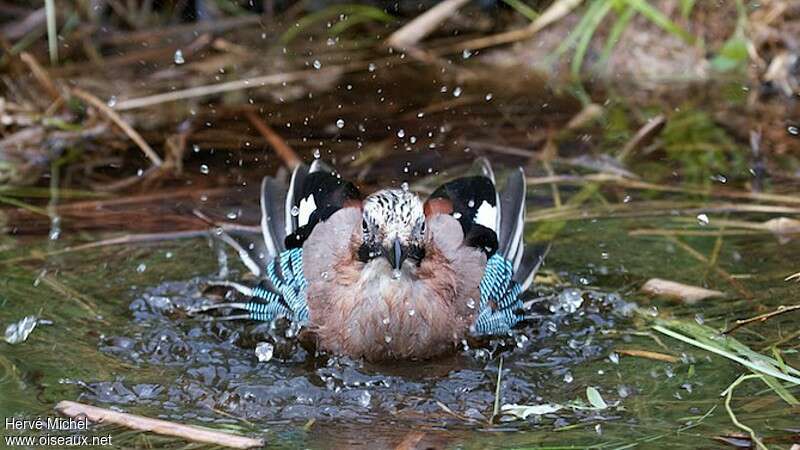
x: 396, y: 254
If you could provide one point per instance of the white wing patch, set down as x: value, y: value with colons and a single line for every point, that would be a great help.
x: 487, y: 216
x: 307, y: 206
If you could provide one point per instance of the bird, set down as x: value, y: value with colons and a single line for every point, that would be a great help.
x: 389, y: 275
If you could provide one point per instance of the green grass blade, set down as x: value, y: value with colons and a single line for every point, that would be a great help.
x: 52, y: 31
x: 616, y: 32
x: 760, y: 366
x: 591, y: 11
x: 522, y: 8
x: 781, y: 391
x: 334, y: 11
x: 658, y: 18
x: 585, y: 39
x: 686, y: 7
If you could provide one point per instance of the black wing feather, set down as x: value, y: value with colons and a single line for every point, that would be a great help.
x: 322, y: 193
x: 468, y: 195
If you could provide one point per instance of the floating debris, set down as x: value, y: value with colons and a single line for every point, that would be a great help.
x: 19, y: 331
x: 264, y: 351
x: 678, y: 291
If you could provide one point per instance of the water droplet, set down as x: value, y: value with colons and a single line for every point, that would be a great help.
x: 471, y: 303
x: 364, y: 399
x: 456, y: 215
x: 466, y: 54
x: 720, y: 178
x: 112, y: 101
x: 317, y: 154
x: 702, y: 219
x: 371, y: 67
x: 457, y: 91
x: 489, y: 97
x: 401, y: 133
x: 411, y: 312
x: 325, y: 276
x: 340, y: 123
x: 386, y: 321
x: 387, y: 338
x: 168, y: 255
x: 404, y: 186
x: 396, y: 274
x: 204, y: 169
x: 793, y: 130
x: 568, y: 378
x: 295, y: 211
x: 699, y: 319
x: 317, y: 65
x: 141, y: 268
x: 471, y: 203
x: 179, y: 57
x: 264, y: 351
x: 232, y: 215
x: 614, y: 357
x: 569, y: 300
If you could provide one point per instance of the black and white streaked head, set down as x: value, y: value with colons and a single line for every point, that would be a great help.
x: 393, y: 227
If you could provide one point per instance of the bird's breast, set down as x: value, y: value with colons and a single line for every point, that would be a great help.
x: 389, y: 314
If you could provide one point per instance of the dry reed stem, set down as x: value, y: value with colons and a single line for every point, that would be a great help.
x: 229, y: 86
x: 414, y: 31
x: 284, y: 151
x: 761, y: 318
x: 114, y: 117
x: 41, y: 75
x: 141, y: 423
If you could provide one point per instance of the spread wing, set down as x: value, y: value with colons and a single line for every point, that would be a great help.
x: 315, y: 193
x: 493, y: 220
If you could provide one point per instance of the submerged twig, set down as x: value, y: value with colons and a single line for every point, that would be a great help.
x: 761, y: 318
x: 158, y: 426
x: 647, y: 354
x: 728, y: 393
x: 496, y: 409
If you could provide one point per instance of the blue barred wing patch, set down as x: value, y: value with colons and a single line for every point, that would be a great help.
x: 498, y: 289
x: 286, y: 294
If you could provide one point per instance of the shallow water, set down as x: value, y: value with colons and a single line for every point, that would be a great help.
x: 121, y: 338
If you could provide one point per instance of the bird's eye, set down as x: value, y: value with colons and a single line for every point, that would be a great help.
x: 364, y: 226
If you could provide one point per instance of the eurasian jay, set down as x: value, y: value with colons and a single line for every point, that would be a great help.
x: 388, y: 276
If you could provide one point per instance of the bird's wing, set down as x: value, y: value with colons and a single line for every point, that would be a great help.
x: 472, y: 200
x: 314, y: 195
x: 493, y: 221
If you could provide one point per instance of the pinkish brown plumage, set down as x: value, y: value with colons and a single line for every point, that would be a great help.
x: 364, y: 310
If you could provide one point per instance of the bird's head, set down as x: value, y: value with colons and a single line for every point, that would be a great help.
x: 393, y: 227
